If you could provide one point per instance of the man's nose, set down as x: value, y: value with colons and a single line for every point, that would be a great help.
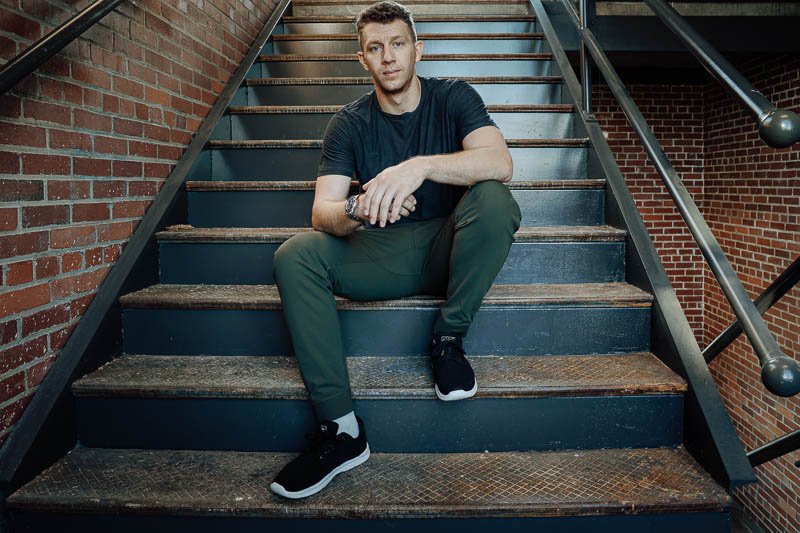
x: 388, y: 55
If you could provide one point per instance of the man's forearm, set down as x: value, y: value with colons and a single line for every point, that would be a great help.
x: 467, y: 167
x: 329, y: 216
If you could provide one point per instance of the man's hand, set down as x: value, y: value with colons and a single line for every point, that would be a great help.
x: 389, y: 192
x: 407, y: 207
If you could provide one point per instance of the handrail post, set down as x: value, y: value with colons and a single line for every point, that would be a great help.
x: 586, y: 68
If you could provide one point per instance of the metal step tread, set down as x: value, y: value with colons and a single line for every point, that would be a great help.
x: 266, y: 297
x: 186, y: 233
x: 357, y: 80
x: 307, y: 109
x: 417, y: 18
x: 317, y: 143
x: 544, y: 56
x: 262, y: 185
x: 429, y: 485
x: 421, y: 37
x: 378, y: 377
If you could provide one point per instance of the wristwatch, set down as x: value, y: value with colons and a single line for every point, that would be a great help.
x: 351, y: 207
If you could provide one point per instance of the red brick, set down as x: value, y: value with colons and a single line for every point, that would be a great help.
x: 8, y: 219
x: 111, y: 145
x: 110, y: 103
x: 45, y: 319
x: 130, y: 209
x: 12, y: 386
x: 157, y: 96
x: 45, y: 112
x: 72, y: 237
x: 126, y: 169
x: 111, y: 253
x: 84, y: 282
x: 109, y: 189
x: 128, y: 87
x: 8, y: 331
x: 9, y: 163
x: 22, y: 135
x: 73, y: 93
x: 11, y: 413
x: 46, y: 267
x: 10, y: 106
x: 23, y: 244
x: 91, y: 167
x: 92, y: 121
x: 68, y: 190
x: 20, y: 354
x: 114, y: 231
x: 60, y: 139
x: 85, y: 212
x: 24, y: 299
x: 92, y: 98
x: 128, y: 127
x: 94, y: 257
x: 21, y: 272
x: 71, y: 262
x: 156, y: 133
x: 36, y: 373
x: 45, y: 164
x: 143, y: 149
x: 142, y: 188
x: 142, y: 111
x: 60, y: 337
x: 80, y: 304
x: 8, y: 48
x: 44, y: 215
x: 169, y: 152
x: 157, y: 170
x: 22, y: 26
x: 90, y: 75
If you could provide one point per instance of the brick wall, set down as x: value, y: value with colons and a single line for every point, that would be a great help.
x: 750, y: 196
x: 752, y: 203
x: 675, y: 114
x: 85, y: 144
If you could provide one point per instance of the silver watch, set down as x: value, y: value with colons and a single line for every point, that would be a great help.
x: 351, y: 207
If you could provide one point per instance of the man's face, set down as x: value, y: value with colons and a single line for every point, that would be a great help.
x: 390, y: 54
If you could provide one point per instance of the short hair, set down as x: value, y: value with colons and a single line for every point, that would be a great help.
x: 385, y: 13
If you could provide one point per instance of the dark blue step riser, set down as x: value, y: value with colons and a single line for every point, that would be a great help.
x: 322, y: 69
x: 294, y: 28
x: 625, y: 523
x: 251, y: 263
x: 432, y: 46
x: 301, y: 163
x: 292, y: 209
x: 492, y: 94
x: 402, y: 426
x: 312, y: 126
x: 539, y: 330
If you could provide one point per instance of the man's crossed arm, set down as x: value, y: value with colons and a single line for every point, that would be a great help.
x: 389, y: 195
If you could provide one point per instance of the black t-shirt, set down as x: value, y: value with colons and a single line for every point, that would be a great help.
x: 361, y: 139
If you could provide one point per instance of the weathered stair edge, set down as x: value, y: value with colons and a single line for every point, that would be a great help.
x: 49, y: 417
x: 709, y: 432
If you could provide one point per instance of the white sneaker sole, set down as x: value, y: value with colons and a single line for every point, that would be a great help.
x: 456, y: 394
x: 321, y: 484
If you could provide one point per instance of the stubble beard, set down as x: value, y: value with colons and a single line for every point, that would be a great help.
x: 398, y: 90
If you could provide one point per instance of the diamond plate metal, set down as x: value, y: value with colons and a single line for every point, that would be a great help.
x: 388, y: 485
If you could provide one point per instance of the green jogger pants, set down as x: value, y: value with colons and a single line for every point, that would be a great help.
x: 457, y: 257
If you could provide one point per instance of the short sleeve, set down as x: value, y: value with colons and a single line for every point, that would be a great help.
x: 469, y: 110
x: 338, y: 153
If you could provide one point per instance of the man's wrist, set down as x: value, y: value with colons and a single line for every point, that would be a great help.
x: 352, y: 208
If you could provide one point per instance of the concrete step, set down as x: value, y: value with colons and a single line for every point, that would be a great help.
x: 583, y: 254
x: 551, y: 319
x: 299, y: 159
x: 426, y: 24
x: 417, y: 7
x: 309, y: 122
x: 257, y: 403
x: 661, y: 489
x: 459, y: 65
x: 270, y: 204
x: 435, y: 43
x: 497, y: 90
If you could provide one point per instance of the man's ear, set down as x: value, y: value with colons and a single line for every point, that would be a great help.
x: 360, y: 56
x: 420, y: 47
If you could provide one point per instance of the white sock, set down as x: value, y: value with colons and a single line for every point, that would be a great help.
x: 348, y: 424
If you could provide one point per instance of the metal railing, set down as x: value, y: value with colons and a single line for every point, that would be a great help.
x: 49, y: 45
x: 779, y: 373
x: 778, y: 128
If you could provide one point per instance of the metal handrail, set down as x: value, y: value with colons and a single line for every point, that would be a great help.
x: 52, y: 43
x: 783, y: 284
x: 779, y: 373
x: 776, y: 448
x: 778, y: 128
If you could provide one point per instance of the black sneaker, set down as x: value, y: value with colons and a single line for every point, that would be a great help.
x: 329, y: 454
x: 452, y: 374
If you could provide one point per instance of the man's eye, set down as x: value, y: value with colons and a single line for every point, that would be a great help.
x: 398, y: 44
x: 374, y: 48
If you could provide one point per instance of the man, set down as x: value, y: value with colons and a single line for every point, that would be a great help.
x: 416, y: 145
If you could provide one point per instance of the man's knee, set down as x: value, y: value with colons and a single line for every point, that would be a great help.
x: 298, y: 253
x: 495, y: 206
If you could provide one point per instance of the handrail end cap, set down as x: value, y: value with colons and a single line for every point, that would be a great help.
x: 781, y: 375
x: 780, y: 128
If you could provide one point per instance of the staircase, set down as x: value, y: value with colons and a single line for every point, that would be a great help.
x: 576, y: 425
